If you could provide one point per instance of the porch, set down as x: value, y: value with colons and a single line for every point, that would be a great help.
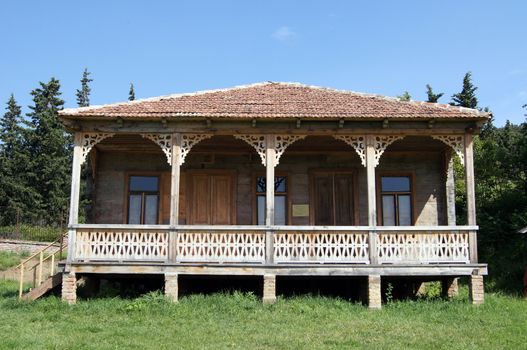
x: 274, y: 196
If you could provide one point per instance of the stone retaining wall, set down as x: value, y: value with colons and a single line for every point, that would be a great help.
x: 10, y: 245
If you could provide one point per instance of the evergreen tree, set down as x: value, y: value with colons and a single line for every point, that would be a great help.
x: 12, y: 160
x: 131, y: 93
x: 405, y: 96
x: 51, y: 153
x: 432, y: 97
x: 83, y: 95
x: 467, y: 97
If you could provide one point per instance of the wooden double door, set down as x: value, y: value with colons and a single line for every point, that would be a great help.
x: 333, y: 198
x: 211, y: 197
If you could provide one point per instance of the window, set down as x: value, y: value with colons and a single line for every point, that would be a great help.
x: 396, y: 197
x: 143, y: 199
x: 280, y: 200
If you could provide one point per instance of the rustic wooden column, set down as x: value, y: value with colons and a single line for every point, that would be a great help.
x: 175, y: 179
x: 450, y: 189
x: 372, y: 203
x: 270, y: 156
x: 75, y: 193
x: 174, y: 194
x: 471, y: 196
x: 75, y: 179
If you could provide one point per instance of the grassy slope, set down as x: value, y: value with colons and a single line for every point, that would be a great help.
x: 241, y: 321
x: 9, y: 259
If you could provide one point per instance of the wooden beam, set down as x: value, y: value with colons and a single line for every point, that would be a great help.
x: 280, y: 270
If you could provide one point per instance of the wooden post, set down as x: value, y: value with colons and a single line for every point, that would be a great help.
x: 175, y: 179
x: 21, y: 285
x: 174, y: 194
x: 270, y: 153
x: 40, y: 263
x: 75, y: 179
x: 471, y: 196
x: 450, y: 189
x: 372, y: 203
x: 75, y: 192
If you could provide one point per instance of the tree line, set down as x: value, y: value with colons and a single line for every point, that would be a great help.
x: 36, y: 156
x: 35, y: 163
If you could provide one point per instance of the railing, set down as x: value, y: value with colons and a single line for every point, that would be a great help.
x: 274, y: 244
x: 46, y: 256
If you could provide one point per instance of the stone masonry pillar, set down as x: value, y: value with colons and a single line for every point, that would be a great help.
x: 449, y: 287
x: 476, y: 291
x: 374, y: 292
x: 171, y: 286
x: 269, y: 289
x: 69, y: 287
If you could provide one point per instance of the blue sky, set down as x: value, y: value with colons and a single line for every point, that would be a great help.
x: 164, y: 47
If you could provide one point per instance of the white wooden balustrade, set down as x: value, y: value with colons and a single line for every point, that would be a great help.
x: 220, y: 246
x: 290, y: 244
x: 321, y: 247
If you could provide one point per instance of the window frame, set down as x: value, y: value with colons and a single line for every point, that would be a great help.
x: 286, y: 194
x: 127, y: 193
x: 380, y: 193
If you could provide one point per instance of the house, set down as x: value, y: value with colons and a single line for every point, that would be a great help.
x: 274, y: 179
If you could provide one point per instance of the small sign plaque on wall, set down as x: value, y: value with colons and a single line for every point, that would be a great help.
x: 300, y: 210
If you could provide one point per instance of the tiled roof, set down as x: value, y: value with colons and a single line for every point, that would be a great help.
x: 275, y: 100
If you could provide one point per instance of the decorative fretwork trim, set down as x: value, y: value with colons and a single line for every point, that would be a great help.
x: 381, y: 142
x: 164, y: 141
x: 256, y: 141
x: 457, y: 143
x: 90, y: 139
x: 281, y: 142
x: 188, y: 141
x: 357, y: 142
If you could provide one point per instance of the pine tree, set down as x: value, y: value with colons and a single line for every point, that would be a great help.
x: 405, y: 96
x: 467, y: 97
x: 432, y: 97
x: 131, y: 93
x: 11, y: 162
x: 83, y: 95
x: 51, y: 152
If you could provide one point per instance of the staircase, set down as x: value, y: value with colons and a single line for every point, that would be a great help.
x: 43, y: 266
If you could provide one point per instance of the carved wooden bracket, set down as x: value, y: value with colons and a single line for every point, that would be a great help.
x: 381, y: 142
x: 256, y: 141
x: 457, y: 142
x: 90, y: 139
x: 188, y: 141
x: 281, y: 142
x: 357, y: 142
x: 164, y: 141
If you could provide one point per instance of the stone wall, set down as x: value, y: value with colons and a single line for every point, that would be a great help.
x: 427, y: 169
x: 9, y: 245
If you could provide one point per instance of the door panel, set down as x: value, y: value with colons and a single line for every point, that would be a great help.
x: 333, y: 199
x: 221, y: 199
x: 211, y: 199
x: 200, y: 201
x: 323, y: 200
x: 343, y: 199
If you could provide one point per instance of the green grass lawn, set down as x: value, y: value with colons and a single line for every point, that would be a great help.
x: 241, y: 321
x: 10, y: 259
